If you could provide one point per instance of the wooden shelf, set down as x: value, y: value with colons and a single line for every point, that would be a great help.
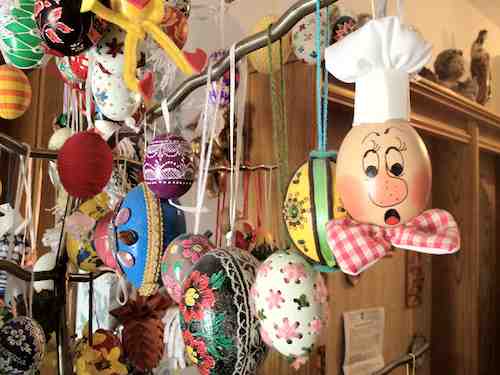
x: 432, y: 107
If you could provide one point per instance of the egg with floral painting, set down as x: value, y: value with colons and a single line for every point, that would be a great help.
x: 218, y: 325
x: 289, y: 299
x: 178, y: 259
x: 22, y: 345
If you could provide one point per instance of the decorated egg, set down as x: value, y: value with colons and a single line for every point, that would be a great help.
x: 260, y: 58
x: 219, y: 329
x: 384, y: 173
x: 112, y: 97
x: 22, y: 346
x: 179, y: 257
x: 5, y: 313
x: 221, y: 88
x: 84, y: 163
x: 144, y: 226
x: 20, y: 41
x: 79, y: 244
x: 311, y: 201
x: 303, y: 38
x: 67, y: 74
x: 47, y: 262
x: 57, y: 139
x: 105, y: 242
x: 64, y: 30
x: 15, y: 92
x: 289, y: 298
x: 80, y: 66
x: 175, y: 25
x: 168, y: 167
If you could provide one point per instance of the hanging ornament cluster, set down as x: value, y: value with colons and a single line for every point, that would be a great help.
x: 15, y: 89
x: 383, y: 167
x: 168, y: 167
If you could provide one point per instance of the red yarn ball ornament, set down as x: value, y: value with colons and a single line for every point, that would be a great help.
x: 85, y: 163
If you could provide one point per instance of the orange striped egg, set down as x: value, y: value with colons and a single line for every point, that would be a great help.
x: 15, y: 92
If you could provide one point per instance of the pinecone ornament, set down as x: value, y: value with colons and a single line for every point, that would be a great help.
x: 143, y: 329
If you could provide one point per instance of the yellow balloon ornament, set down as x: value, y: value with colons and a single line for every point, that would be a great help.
x: 138, y: 18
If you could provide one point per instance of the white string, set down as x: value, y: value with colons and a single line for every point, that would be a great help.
x: 401, y: 10
x: 205, y: 157
x: 166, y: 114
x: 235, y: 160
x: 88, y: 88
x: 122, y: 289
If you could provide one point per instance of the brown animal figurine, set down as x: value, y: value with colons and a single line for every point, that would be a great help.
x: 480, y: 67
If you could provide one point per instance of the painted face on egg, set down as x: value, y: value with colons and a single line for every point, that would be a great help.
x: 384, y: 173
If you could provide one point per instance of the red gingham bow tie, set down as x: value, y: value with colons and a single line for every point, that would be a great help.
x: 359, y: 246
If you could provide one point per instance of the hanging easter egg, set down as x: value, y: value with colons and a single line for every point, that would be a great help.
x: 5, y: 313
x: 144, y: 226
x: 112, y: 97
x: 56, y: 140
x: 105, y: 242
x: 310, y: 202
x: 168, y: 167
x: 20, y: 41
x: 15, y: 92
x: 304, y: 38
x: 22, y: 346
x: 179, y: 257
x: 260, y: 58
x: 80, y: 66
x: 219, y: 329
x: 84, y: 164
x: 175, y: 25
x: 81, y: 226
x: 385, y: 180
x: 64, y: 30
x: 67, y: 74
x: 47, y: 262
x: 289, y: 298
x: 220, y: 90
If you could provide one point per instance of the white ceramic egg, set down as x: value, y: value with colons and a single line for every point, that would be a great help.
x: 112, y: 97
x: 46, y: 262
x: 289, y: 299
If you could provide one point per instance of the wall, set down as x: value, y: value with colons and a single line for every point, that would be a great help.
x: 445, y: 23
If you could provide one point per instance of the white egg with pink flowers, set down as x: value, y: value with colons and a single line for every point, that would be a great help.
x: 289, y: 298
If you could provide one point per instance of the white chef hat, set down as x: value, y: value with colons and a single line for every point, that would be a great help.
x: 379, y: 57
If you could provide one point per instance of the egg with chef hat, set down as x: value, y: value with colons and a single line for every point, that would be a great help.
x: 383, y: 170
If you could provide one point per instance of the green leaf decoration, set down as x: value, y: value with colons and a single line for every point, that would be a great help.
x: 261, y: 315
x: 217, y: 279
x: 302, y: 302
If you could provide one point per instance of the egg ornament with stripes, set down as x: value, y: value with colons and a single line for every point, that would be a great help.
x: 15, y: 92
x: 311, y: 201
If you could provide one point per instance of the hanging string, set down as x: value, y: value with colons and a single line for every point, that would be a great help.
x: 166, y: 114
x: 321, y: 106
x: 235, y: 157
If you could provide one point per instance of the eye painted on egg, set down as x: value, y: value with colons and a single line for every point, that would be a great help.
x: 371, y: 163
x: 394, y: 161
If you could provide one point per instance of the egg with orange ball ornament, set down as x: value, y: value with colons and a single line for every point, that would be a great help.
x: 384, y: 173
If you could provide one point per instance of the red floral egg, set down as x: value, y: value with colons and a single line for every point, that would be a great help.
x: 178, y: 259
